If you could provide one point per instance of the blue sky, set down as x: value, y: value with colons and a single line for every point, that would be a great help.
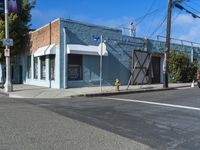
x: 119, y: 14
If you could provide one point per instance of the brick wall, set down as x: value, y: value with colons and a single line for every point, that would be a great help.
x: 49, y: 34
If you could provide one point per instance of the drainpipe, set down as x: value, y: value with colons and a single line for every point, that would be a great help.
x: 48, y: 58
x: 65, y: 78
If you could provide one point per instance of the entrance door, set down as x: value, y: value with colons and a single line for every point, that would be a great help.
x: 156, y: 69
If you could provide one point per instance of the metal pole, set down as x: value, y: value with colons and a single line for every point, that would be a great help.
x: 165, y: 64
x: 101, y: 63
x: 8, y: 84
x: 192, y: 53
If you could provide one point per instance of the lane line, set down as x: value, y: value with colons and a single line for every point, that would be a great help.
x: 153, y: 103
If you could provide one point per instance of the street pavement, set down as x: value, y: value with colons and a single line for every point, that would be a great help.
x: 160, y: 120
x: 29, y: 125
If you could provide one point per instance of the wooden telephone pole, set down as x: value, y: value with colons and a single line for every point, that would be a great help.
x: 166, y: 56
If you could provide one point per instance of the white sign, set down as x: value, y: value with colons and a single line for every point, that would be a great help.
x: 7, y: 42
x: 6, y: 52
x: 165, y: 63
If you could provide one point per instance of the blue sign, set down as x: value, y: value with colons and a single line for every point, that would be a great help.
x: 97, y: 38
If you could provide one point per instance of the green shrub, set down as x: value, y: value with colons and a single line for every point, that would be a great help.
x: 180, y: 68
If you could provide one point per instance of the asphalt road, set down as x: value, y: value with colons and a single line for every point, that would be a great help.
x: 155, y: 120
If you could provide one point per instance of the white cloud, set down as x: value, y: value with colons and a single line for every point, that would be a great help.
x: 187, y: 28
x: 184, y: 19
x: 193, y: 34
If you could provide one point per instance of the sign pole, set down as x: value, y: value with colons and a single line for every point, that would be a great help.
x: 8, y: 85
x: 101, y: 64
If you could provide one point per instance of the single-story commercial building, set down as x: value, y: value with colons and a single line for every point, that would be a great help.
x: 67, y: 53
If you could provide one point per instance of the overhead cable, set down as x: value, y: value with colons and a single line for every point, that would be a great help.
x: 177, y: 5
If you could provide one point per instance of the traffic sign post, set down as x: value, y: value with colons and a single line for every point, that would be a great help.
x: 8, y: 42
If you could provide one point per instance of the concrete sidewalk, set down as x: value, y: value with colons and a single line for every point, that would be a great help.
x: 29, y: 91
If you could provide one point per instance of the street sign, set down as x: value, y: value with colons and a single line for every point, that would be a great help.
x: 7, y: 52
x: 7, y: 42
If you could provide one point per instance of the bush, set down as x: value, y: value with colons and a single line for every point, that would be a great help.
x: 180, y: 68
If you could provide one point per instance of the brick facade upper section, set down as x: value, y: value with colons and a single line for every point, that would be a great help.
x: 49, y: 34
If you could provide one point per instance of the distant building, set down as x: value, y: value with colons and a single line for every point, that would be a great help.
x: 64, y: 54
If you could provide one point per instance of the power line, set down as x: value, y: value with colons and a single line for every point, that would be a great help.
x: 173, y: 20
x: 188, y: 11
x: 195, y: 3
x: 152, y: 21
x: 148, y: 14
x: 192, y: 8
x: 139, y: 18
x: 148, y: 11
x: 159, y: 26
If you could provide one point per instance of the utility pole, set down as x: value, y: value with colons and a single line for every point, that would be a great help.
x: 166, y: 56
x: 8, y: 84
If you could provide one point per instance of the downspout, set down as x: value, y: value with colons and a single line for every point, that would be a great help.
x: 65, y: 59
x: 49, y: 55
x: 50, y: 33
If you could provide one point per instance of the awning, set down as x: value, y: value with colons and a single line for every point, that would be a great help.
x: 46, y: 50
x: 87, y: 49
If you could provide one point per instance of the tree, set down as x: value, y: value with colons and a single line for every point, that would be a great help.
x: 180, y: 68
x: 19, y: 27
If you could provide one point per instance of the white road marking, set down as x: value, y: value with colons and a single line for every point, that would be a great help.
x: 153, y: 103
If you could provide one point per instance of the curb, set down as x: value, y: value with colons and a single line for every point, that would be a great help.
x: 128, y: 92
x: 10, y: 95
x: 4, y: 93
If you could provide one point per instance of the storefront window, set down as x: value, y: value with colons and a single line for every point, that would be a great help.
x: 43, y: 68
x: 29, y: 66
x: 35, y: 67
x: 52, y: 65
x: 74, y: 67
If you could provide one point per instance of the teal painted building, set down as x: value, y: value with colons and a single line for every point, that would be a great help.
x: 66, y: 53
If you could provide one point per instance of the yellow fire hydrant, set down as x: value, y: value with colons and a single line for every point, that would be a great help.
x: 117, y: 84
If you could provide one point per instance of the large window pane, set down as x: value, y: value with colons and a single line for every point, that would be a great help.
x: 29, y: 66
x: 43, y: 68
x: 74, y: 67
x: 35, y: 67
x: 52, y: 64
